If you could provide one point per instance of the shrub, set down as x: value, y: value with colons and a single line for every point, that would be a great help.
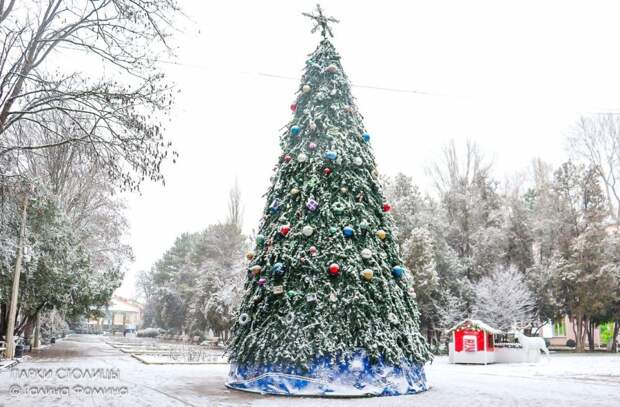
x: 571, y: 343
x: 148, y: 333
x: 198, y: 333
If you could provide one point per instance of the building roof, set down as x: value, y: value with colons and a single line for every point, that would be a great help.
x: 119, y: 305
x: 612, y: 227
x: 476, y: 324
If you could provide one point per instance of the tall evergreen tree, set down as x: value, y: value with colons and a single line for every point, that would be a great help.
x: 328, y: 306
x: 584, y: 286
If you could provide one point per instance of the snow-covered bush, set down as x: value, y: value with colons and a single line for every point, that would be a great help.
x: 148, y: 333
x: 503, y: 299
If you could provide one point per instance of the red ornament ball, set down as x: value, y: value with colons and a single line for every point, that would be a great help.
x: 287, y: 158
x: 294, y: 107
x: 284, y: 229
x: 386, y: 207
x: 313, y: 251
x: 327, y: 171
x: 334, y: 269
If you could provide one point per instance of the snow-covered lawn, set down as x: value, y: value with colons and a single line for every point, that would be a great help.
x: 152, y: 351
x: 600, y: 368
x: 563, y: 379
x: 179, y: 359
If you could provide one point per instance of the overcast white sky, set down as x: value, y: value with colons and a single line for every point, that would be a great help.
x: 512, y: 77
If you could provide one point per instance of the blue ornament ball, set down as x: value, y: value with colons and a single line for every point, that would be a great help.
x: 366, y: 137
x: 398, y: 271
x: 347, y: 231
x: 331, y: 155
x: 295, y: 130
x: 278, y: 269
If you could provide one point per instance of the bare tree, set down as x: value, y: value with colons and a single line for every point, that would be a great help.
x: 116, y: 113
x: 85, y: 193
x: 235, y: 208
x: 472, y: 204
x: 83, y: 210
x: 457, y: 171
x: 596, y: 140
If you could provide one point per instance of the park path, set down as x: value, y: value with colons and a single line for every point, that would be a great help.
x: 592, y: 380
x: 136, y: 384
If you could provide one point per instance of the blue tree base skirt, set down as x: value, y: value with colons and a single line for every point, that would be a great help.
x: 325, y: 378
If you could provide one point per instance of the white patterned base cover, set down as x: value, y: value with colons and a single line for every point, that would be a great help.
x: 357, y: 377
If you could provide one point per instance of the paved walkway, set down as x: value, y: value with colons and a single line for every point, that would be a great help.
x: 59, y: 376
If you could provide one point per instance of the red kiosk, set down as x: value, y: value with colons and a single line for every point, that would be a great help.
x: 472, y: 342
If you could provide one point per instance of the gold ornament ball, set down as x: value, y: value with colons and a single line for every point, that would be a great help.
x: 367, y: 274
x: 294, y: 191
x: 305, y: 88
x: 250, y: 255
x: 344, y: 190
x: 381, y: 234
x: 256, y: 270
x: 331, y: 68
x: 348, y: 109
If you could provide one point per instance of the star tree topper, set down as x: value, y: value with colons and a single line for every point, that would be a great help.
x: 322, y: 22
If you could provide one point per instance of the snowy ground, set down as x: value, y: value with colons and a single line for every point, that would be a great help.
x: 583, y: 380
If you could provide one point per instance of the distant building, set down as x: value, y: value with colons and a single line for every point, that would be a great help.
x: 119, y: 313
x: 560, y: 331
x: 613, y: 228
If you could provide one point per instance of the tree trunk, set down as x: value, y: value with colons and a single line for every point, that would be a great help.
x: 613, y: 343
x: 36, y: 343
x: 579, y: 330
x: 3, y: 317
x: 10, y: 348
x: 28, y: 319
x: 590, y: 332
x: 574, y: 328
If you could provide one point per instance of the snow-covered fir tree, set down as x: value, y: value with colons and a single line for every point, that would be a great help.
x: 326, y: 285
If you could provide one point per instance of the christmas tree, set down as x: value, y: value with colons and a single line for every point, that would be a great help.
x: 328, y: 307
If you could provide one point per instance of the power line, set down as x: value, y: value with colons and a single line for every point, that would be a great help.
x: 276, y: 76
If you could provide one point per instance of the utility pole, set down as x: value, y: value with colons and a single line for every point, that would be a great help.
x: 10, y: 346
